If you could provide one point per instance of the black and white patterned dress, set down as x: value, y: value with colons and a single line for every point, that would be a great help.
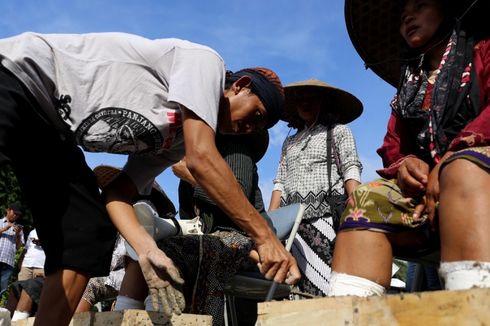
x: 302, y: 178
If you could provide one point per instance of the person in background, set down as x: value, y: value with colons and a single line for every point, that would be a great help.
x: 33, y: 259
x: 153, y: 100
x: 11, y: 238
x: 24, y: 297
x: 436, y: 154
x: 25, y: 294
x: 305, y: 175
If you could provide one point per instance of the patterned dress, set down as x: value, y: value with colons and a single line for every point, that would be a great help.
x: 302, y: 178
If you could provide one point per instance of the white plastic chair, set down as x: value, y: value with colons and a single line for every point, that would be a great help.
x: 286, y: 221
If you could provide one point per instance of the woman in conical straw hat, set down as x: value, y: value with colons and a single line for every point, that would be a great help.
x: 435, y: 153
x: 316, y: 108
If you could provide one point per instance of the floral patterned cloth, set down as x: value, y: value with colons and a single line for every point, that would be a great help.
x: 207, y: 262
x: 380, y: 206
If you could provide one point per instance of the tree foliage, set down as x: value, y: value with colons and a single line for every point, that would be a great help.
x: 10, y: 192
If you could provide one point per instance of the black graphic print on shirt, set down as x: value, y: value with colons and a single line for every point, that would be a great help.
x: 121, y: 131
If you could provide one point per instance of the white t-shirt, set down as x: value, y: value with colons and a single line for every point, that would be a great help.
x: 124, y: 90
x: 34, y: 256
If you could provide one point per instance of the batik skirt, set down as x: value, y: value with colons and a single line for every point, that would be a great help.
x: 380, y: 205
x: 207, y: 262
x: 313, y: 249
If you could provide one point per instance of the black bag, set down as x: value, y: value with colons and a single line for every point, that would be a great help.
x: 337, y: 205
x: 336, y: 202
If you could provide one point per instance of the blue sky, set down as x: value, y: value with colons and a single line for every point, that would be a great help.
x: 299, y: 39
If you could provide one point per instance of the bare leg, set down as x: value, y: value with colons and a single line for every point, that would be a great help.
x: 364, y: 254
x: 11, y: 302
x: 464, y: 212
x: 134, y: 284
x: 61, y: 293
x: 83, y: 306
x: 25, y: 302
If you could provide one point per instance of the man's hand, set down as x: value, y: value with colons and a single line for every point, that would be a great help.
x: 17, y: 229
x: 38, y: 274
x: 413, y: 177
x: 161, y: 275
x: 274, y: 262
x: 164, y: 282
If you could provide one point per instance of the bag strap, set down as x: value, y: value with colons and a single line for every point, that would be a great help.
x: 332, y: 148
x: 329, y: 159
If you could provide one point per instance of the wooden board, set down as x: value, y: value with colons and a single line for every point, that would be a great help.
x: 469, y: 307
x: 129, y: 318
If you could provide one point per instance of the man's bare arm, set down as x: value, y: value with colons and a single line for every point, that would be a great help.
x: 216, y: 178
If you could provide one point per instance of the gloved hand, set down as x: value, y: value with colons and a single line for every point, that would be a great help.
x: 164, y: 282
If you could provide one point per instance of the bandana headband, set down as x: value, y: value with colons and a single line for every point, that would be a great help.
x: 267, y: 92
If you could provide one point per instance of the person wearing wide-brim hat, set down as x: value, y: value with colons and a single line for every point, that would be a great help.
x: 338, y: 106
x: 435, y: 153
x: 373, y: 28
x: 317, y: 109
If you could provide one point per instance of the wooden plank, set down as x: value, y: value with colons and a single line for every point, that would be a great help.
x: 469, y: 307
x: 129, y: 318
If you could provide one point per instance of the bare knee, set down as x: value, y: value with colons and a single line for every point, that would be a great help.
x: 364, y: 254
x: 462, y: 176
x: 464, y: 197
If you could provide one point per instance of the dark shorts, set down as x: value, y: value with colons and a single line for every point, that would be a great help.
x: 32, y: 286
x: 58, y: 186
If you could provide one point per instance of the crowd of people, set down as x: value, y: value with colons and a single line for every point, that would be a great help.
x: 171, y: 103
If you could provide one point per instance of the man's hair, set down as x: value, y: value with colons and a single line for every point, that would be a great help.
x: 17, y: 207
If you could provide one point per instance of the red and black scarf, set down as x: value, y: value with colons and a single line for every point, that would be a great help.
x: 454, y: 98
